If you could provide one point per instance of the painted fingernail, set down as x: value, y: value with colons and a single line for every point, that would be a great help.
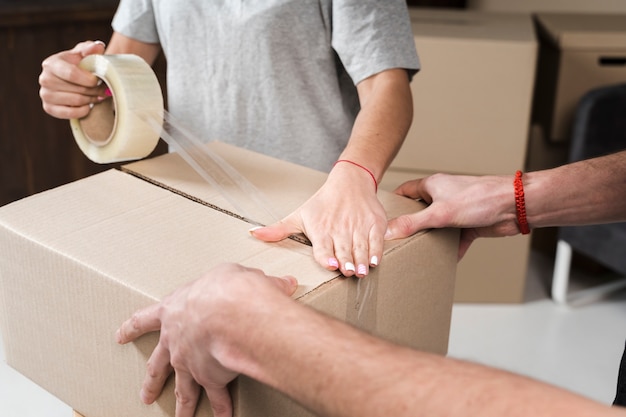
x: 333, y: 262
x: 108, y: 92
x: 349, y: 266
x: 100, y: 42
x: 91, y: 105
x: 362, y: 270
x: 374, y: 261
x: 255, y: 228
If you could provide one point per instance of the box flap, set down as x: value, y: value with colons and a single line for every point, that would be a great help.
x: 283, y: 193
x: 131, y: 210
x: 584, y: 31
x: 472, y: 25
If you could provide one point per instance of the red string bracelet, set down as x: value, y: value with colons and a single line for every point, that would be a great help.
x: 360, y: 166
x: 520, y: 204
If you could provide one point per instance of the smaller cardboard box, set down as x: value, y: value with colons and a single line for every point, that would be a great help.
x: 492, y: 270
x: 472, y: 97
x: 78, y: 260
x: 578, y: 52
x: 562, y: 6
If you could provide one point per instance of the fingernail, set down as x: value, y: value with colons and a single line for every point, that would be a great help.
x: 333, y: 262
x: 108, y: 92
x: 387, y: 234
x: 99, y: 82
x: 292, y: 281
x: 374, y: 261
x: 349, y: 266
x: 255, y: 228
x: 100, y: 42
x: 143, y: 397
x: 362, y: 270
x: 91, y: 105
x: 118, y: 336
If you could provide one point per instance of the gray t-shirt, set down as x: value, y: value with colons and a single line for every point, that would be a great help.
x: 274, y: 76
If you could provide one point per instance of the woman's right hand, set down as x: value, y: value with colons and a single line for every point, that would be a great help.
x: 66, y: 90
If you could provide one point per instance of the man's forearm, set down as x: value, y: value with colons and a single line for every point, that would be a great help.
x: 335, y: 370
x: 585, y: 192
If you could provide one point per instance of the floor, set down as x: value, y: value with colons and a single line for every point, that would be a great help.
x: 577, y: 348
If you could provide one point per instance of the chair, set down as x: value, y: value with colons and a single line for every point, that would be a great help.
x: 599, y: 128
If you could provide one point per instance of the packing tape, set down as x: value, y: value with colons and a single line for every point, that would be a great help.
x: 128, y: 127
x: 111, y: 132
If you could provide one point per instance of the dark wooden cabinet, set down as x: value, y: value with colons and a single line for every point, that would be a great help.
x: 37, y: 151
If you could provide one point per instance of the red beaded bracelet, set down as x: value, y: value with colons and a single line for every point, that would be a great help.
x: 520, y: 204
x: 360, y: 166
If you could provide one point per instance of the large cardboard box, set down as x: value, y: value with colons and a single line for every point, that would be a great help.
x: 492, y: 270
x: 76, y: 261
x: 532, y: 6
x: 578, y: 52
x: 472, y: 97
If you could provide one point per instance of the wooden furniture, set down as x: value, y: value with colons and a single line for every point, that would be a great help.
x: 37, y: 151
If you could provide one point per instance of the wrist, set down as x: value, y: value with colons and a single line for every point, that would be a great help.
x: 520, y: 203
x: 353, y: 168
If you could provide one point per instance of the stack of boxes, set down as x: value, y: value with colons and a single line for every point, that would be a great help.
x: 472, y: 105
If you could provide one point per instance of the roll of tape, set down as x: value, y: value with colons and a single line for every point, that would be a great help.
x: 115, y: 129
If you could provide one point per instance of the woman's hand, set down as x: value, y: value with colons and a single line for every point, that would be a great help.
x: 67, y: 91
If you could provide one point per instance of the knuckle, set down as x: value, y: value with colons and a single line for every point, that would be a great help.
x: 184, y: 399
x: 151, y: 391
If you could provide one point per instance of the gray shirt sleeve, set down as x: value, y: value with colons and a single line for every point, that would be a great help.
x: 135, y: 19
x: 371, y: 36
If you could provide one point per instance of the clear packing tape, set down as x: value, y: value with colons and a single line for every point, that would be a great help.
x: 129, y: 125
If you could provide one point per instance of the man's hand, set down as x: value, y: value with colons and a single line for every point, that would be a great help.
x: 481, y: 206
x: 197, y: 323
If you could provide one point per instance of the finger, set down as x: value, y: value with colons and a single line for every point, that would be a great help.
x: 324, y: 252
x: 343, y: 253
x: 221, y: 404
x: 65, y: 67
x: 141, y: 322
x: 360, y: 252
x: 377, y: 242
x: 277, y: 231
x: 65, y: 112
x: 89, y: 48
x: 68, y: 99
x: 467, y: 238
x: 158, y: 369
x: 409, y: 224
x: 287, y: 284
x: 187, y: 394
x: 411, y: 189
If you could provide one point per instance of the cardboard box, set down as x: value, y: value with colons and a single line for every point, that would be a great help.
x: 78, y: 260
x: 472, y: 97
x: 578, y: 52
x: 531, y: 6
x: 492, y: 270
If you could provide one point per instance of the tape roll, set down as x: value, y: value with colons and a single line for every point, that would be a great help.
x: 115, y: 129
